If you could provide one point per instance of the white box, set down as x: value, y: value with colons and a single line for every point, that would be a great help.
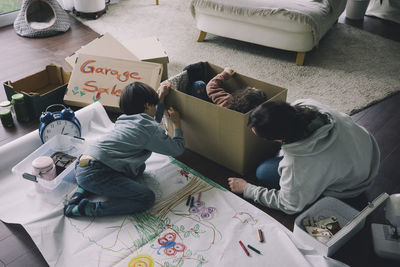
x: 64, y: 183
x: 351, y: 221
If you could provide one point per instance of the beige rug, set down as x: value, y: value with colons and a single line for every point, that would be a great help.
x: 350, y: 70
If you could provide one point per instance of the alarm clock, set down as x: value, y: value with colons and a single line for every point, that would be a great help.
x: 59, y: 122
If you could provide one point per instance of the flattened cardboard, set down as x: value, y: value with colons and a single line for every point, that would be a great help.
x: 41, y: 89
x: 147, y: 49
x: 221, y: 134
x: 96, y: 78
x: 105, y: 45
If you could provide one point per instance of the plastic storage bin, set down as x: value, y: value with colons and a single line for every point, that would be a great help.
x: 56, y: 189
x: 351, y: 221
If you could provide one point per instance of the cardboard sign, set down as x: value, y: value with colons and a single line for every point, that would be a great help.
x: 103, y: 79
x: 144, y: 49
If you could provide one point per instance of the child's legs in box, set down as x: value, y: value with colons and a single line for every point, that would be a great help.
x: 267, y: 173
x: 123, y: 194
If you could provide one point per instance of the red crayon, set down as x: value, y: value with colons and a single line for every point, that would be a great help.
x: 244, y: 248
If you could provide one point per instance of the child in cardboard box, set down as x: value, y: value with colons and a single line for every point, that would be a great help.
x: 242, y: 101
x: 323, y: 153
x: 108, y: 167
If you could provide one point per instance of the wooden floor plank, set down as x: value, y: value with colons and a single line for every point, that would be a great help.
x: 16, y: 248
x: 376, y: 116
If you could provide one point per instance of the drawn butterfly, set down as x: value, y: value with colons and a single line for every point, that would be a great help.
x: 200, y: 208
x: 170, y: 246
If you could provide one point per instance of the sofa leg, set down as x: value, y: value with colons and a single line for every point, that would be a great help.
x: 202, y: 36
x: 300, y: 58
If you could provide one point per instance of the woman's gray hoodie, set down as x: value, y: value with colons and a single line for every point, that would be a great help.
x: 340, y: 159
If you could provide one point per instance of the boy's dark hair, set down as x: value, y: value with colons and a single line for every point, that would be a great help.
x: 281, y: 121
x: 247, y: 99
x: 135, y: 96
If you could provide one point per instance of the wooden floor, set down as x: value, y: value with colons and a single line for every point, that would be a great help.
x: 22, y: 57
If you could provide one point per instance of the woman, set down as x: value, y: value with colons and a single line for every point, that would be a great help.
x: 323, y: 153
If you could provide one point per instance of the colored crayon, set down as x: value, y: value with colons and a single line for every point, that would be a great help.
x: 188, y: 200
x: 260, y: 236
x: 244, y: 248
x: 191, y: 201
x: 254, y: 249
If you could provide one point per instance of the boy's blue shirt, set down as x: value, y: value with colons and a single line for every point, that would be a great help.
x: 132, y: 140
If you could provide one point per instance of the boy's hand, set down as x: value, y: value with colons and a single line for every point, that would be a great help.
x: 163, y: 91
x: 237, y: 185
x: 175, y: 117
x: 229, y: 70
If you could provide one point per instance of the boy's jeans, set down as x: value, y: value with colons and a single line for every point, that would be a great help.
x: 267, y: 173
x: 123, y: 194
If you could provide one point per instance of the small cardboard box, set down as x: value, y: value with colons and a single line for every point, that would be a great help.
x: 218, y: 133
x: 351, y: 221
x: 144, y: 49
x: 41, y: 89
x: 96, y: 78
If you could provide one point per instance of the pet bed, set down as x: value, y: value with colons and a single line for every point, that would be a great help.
x: 293, y: 25
x: 205, y: 233
x: 41, y: 18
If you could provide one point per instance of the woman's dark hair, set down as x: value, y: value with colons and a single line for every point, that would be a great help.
x: 247, y: 99
x: 281, y: 121
x: 135, y: 96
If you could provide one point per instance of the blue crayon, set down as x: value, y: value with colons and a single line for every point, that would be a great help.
x: 188, y: 200
x: 191, y: 201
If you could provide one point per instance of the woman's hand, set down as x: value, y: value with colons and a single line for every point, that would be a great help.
x: 163, y: 90
x: 237, y: 185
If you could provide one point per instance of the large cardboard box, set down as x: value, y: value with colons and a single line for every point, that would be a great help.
x: 96, y: 78
x: 350, y: 220
x: 144, y: 49
x: 218, y: 133
x: 41, y: 89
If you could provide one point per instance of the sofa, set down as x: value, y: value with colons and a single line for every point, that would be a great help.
x: 292, y: 25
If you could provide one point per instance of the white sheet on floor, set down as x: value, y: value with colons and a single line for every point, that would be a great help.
x: 135, y: 240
